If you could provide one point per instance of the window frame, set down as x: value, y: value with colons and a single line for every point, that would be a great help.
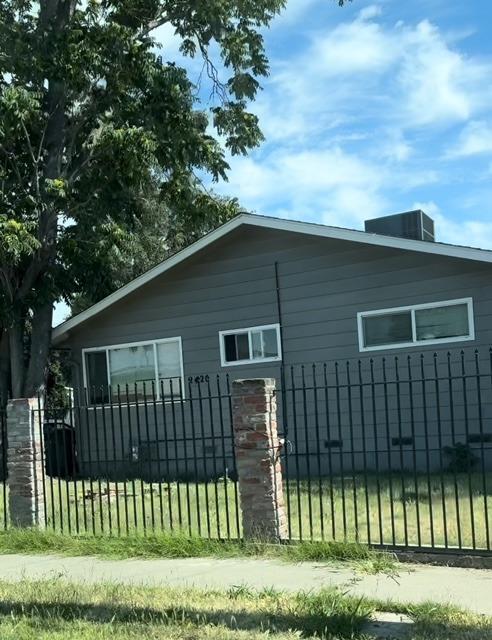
x: 249, y: 330
x: 140, y: 343
x: 413, y: 308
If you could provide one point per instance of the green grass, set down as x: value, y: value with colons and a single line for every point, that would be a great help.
x: 176, y: 545
x: 411, y: 510
x: 395, y: 508
x: 441, y: 622
x: 55, y: 610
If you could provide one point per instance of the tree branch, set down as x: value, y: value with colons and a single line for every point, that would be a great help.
x: 158, y: 21
x: 11, y: 158
x: 79, y: 166
x: 218, y: 87
x: 33, y: 157
x: 4, y: 367
x: 7, y: 282
x: 32, y: 273
x: 40, y: 345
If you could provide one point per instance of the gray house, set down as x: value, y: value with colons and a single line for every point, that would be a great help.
x: 390, y: 319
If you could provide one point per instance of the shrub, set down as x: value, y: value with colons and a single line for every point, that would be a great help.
x: 461, y: 458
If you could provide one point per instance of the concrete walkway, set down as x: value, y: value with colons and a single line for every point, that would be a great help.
x: 467, y: 588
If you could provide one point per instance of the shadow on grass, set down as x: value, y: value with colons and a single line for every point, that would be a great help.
x: 343, y: 624
x: 451, y: 631
x: 308, y: 623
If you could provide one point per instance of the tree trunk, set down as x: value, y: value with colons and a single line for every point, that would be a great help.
x: 28, y: 378
x: 16, y: 349
x: 4, y: 368
x: 40, y: 347
x: 55, y: 15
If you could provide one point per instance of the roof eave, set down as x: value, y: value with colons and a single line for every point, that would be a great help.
x: 61, y: 332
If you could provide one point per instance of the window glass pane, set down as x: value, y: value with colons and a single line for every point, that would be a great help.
x: 270, y: 346
x: 442, y: 322
x: 236, y: 347
x: 135, y: 367
x: 389, y: 328
x: 169, y: 368
x: 97, y: 376
x: 257, y: 344
x: 264, y: 343
x: 242, y: 344
x: 230, y: 348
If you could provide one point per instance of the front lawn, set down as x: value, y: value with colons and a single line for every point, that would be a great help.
x: 52, y: 610
x: 400, y: 508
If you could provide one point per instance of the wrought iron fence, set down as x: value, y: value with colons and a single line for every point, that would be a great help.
x: 143, y: 459
x: 393, y: 452
x: 3, y: 466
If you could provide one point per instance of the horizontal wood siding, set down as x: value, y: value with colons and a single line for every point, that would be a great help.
x: 324, y: 283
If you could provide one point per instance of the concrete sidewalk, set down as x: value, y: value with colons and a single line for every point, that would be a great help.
x: 466, y: 588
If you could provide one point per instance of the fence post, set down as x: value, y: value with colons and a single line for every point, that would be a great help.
x: 24, y: 462
x: 258, y: 464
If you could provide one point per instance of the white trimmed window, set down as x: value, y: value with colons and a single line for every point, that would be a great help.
x: 254, y: 344
x: 435, y: 323
x: 134, y: 371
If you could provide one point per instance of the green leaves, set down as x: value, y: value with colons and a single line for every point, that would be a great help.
x: 101, y: 142
x: 91, y: 117
x: 16, y: 240
x: 18, y: 106
x: 240, y: 128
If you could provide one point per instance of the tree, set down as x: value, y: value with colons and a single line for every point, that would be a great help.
x: 160, y: 232
x: 99, y: 138
x: 91, y: 121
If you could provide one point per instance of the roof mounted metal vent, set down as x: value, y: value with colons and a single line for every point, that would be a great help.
x: 415, y: 225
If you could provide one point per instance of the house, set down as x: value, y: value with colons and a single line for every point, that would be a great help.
x: 260, y: 296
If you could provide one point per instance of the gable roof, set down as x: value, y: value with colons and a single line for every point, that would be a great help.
x: 309, y: 228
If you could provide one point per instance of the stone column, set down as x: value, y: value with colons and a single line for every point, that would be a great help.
x: 24, y: 462
x: 258, y: 459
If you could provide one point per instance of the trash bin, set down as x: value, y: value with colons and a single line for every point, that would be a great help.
x: 60, y: 453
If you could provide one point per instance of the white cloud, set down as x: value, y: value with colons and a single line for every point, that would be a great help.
x: 430, y: 208
x: 409, y: 75
x: 328, y: 184
x: 295, y: 174
x: 355, y: 123
x: 350, y: 206
x: 370, y: 12
x: 475, y: 138
x: 439, y: 84
x: 351, y: 47
x: 472, y: 233
x: 293, y: 12
x: 394, y: 147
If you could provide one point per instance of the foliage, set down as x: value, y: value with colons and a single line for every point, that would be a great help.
x: 73, y: 611
x: 57, y: 394
x: 102, y: 138
x: 119, y: 255
x: 461, y: 458
x: 182, y: 545
x: 54, y: 609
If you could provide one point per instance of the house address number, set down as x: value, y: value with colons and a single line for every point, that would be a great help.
x: 198, y: 379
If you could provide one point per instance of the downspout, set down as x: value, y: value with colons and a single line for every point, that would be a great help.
x: 282, y: 367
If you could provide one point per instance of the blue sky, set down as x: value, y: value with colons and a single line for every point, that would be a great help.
x: 371, y: 109
x: 376, y: 108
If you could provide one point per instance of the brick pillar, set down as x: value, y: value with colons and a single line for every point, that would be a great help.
x: 24, y: 462
x: 257, y: 458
